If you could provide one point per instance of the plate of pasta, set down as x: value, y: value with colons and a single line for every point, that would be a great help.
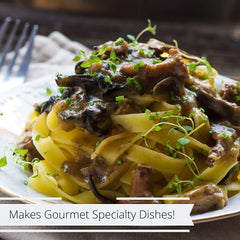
x: 134, y: 120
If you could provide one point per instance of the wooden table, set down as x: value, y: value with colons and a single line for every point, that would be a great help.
x: 218, y: 41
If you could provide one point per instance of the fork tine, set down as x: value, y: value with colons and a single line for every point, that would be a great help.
x: 9, y: 42
x: 4, y: 27
x: 16, y: 50
x: 27, y: 58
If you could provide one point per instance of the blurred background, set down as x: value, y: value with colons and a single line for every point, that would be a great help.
x: 208, y: 28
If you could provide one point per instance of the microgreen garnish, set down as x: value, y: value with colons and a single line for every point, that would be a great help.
x: 48, y: 91
x: 175, y: 43
x: 181, y: 142
x: 193, y: 88
x: 112, y: 55
x: 173, y: 97
x: 138, y: 65
x: 192, y: 67
x: 88, y: 60
x: 178, y: 107
x: 55, y: 175
x: 179, y: 184
x: 225, y: 136
x: 143, y: 107
x: 183, y: 98
x: 235, y: 91
x: 36, y: 109
x: 102, y: 50
x: 68, y: 102
x: 191, y: 115
x: 150, y: 53
x: 98, y: 143
x: 149, y: 28
x: 157, y: 128
x: 142, y: 51
x: 119, y: 162
x: 38, y: 137
x: 3, y: 161
x: 19, y: 156
x: 76, y: 59
x: 147, y: 111
x: 129, y: 80
x: 200, y: 61
x: 200, y: 150
x: 119, y: 99
x: 91, y: 74
x: 133, y: 39
x: 119, y: 41
x: 158, y: 115
x: 155, y: 61
x: 61, y: 90
x: 238, y: 98
x: 81, y: 55
x: 107, y: 79
x: 204, y: 117
x: 151, y: 117
x: 92, y: 59
x: 187, y: 129
x: 137, y: 85
x: 91, y: 103
x: 58, y: 74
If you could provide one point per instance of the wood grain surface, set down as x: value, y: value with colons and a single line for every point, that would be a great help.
x: 218, y: 41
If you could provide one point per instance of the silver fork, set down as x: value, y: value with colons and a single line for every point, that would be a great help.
x: 8, y: 81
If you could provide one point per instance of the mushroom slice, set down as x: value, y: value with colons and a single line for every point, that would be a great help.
x: 205, y: 198
x: 141, y: 185
x: 225, y: 137
x: 172, y: 66
x: 217, y: 108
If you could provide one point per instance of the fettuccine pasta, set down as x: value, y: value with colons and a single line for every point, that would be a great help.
x: 138, y: 120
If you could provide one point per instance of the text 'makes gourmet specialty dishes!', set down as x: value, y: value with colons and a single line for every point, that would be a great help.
x: 139, y: 120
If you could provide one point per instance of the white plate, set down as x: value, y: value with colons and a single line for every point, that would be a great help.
x: 16, y: 106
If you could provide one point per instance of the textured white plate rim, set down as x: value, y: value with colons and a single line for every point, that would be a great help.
x: 39, y: 88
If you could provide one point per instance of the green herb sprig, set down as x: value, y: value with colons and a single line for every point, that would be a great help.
x: 149, y: 28
x: 179, y: 184
x: 188, y: 130
x: 119, y: 99
x: 199, y: 61
x: 95, y: 58
x: 19, y: 156
x: 48, y: 92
